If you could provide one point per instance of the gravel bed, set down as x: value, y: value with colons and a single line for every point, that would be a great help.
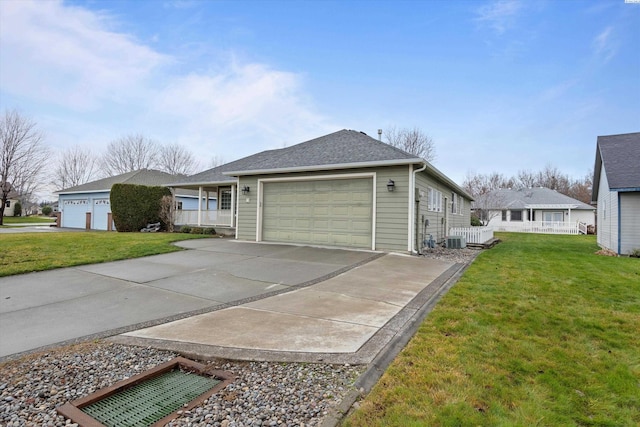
x: 462, y: 256
x: 264, y: 394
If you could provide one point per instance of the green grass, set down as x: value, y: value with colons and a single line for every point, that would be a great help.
x: 27, y: 252
x: 9, y: 220
x: 539, y: 331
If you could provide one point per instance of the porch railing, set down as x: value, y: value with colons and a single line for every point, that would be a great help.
x: 544, y: 227
x: 212, y: 217
x: 473, y: 234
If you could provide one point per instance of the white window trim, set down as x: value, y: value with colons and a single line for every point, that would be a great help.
x: 371, y: 175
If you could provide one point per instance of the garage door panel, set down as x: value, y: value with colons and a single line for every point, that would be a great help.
x: 327, y: 212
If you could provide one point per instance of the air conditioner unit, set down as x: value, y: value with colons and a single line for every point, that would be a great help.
x: 456, y: 242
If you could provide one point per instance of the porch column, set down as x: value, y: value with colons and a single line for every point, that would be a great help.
x: 569, y: 214
x: 233, y: 204
x: 199, y: 206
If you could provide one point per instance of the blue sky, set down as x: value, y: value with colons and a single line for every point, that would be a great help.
x: 499, y: 85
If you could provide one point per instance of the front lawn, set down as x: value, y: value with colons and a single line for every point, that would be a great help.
x: 10, y: 220
x: 539, y: 331
x: 27, y: 252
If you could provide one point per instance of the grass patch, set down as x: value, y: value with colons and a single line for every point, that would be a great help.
x: 9, y: 220
x: 27, y: 252
x: 539, y: 331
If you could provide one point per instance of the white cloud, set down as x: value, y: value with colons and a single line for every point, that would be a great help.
x: 61, y: 56
x: 68, y: 56
x: 499, y: 15
x: 604, y: 45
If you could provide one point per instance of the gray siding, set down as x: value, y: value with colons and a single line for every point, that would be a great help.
x: 436, y: 226
x: 607, y: 215
x: 629, y: 222
x: 391, y: 213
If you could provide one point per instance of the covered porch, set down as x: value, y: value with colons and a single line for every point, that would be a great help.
x: 223, y: 214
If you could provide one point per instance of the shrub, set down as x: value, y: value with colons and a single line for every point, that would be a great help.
x: 47, y: 210
x: 185, y: 229
x: 634, y: 253
x: 135, y: 206
x: 209, y: 231
x: 17, y: 209
x: 475, y: 221
x: 196, y: 230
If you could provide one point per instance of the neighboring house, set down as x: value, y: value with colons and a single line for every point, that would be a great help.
x: 533, y: 210
x: 616, y: 192
x: 88, y: 205
x: 344, y: 189
x: 10, y: 205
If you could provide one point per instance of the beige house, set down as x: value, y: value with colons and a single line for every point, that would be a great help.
x: 344, y: 189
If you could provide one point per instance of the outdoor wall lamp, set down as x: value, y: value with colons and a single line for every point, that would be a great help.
x: 391, y: 185
x: 245, y: 189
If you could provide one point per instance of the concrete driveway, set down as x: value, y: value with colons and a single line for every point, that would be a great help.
x: 52, y: 307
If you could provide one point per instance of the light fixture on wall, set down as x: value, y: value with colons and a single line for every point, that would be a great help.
x: 245, y: 189
x: 391, y: 185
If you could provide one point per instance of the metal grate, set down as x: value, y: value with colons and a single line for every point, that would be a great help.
x: 149, y: 401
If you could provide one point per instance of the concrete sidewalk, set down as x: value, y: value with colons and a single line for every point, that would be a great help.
x: 348, y: 318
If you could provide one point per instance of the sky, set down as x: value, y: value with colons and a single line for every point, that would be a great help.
x: 499, y: 85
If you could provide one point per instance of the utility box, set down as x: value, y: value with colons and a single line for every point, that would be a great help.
x: 456, y: 242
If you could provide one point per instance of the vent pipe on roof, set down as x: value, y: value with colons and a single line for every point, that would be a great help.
x: 379, y: 134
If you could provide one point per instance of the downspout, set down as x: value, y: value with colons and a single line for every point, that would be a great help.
x: 412, y: 199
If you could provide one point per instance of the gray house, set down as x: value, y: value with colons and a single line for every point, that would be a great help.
x: 616, y: 191
x: 88, y: 205
x: 343, y: 189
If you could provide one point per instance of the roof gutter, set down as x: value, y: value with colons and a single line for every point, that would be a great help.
x: 356, y: 165
x: 412, y: 210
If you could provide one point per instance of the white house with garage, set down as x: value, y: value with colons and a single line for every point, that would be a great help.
x: 88, y: 206
x: 344, y: 189
x: 616, y: 192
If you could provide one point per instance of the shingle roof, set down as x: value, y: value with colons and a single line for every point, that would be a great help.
x: 140, y: 177
x: 345, y: 147
x: 506, y: 198
x: 621, y: 157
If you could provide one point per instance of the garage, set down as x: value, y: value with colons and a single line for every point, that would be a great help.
x: 101, y: 209
x: 332, y: 212
x: 74, y: 213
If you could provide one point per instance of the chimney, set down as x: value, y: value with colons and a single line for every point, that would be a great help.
x: 379, y: 134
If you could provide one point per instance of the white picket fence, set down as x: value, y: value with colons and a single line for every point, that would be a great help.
x: 544, y: 227
x: 213, y: 217
x: 477, y: 235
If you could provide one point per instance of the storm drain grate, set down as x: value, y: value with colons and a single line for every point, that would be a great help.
x: 149, y: 399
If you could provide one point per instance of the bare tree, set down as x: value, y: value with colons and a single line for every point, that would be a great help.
x: 526, y: 179
x: 551, y: 177
x: 168, y: 212
x: 413, y: 141
x: 580, y: 189
x: 177, y: 160
x: 22, y: 157
x: 479, y: 184
x: 216, y: 161
x: 488, y: 206
x: 130, y: 153
x: 77, y: 165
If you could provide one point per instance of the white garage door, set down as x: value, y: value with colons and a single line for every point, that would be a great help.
x: 74, y: 213
x: 101, y: 209
x: 326, y: 212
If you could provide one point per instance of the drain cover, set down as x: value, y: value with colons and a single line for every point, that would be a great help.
x: 148, y: 399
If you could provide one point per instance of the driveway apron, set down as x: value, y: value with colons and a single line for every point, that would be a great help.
x: 58, y: 306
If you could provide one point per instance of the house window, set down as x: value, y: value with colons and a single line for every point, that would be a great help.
x: 8, y: 204
x: 516, y: 215
x: 225, y: 199
x: 504, y: 216
x: 179, y: 206
x: 435, y: 200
